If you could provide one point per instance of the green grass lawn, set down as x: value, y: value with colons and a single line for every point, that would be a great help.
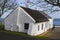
x: 21, y: 34
x: 18, y: 33
x: 1, y: 26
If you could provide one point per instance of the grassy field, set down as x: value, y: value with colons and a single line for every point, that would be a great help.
x: 55, y: 34
x: 18, y: 33
x: 21, y: 34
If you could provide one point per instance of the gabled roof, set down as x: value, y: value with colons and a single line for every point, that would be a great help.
x: 37, y: 15
x: 46, y: 15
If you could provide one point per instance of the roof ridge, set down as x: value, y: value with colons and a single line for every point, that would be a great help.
x: 46, y: 15
x: 35, y: 14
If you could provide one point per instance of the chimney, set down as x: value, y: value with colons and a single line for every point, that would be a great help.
x: 40, y: 9
x: 36, y: 8
x: 27, y: 4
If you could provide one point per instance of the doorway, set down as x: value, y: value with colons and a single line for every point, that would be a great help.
x: 26, y: 26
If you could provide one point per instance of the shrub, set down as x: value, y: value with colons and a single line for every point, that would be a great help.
x: 1, y: 26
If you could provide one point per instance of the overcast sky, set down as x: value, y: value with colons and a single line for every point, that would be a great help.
x: 53, y: 15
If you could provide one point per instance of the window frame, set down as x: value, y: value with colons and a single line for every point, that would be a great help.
x: 38, y: 27
x: 42, y: 26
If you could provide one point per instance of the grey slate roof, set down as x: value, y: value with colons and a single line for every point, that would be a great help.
x: 46, y: 15
x: 37, y: 15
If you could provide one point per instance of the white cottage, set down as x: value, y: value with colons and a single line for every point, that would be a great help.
x: 28, y: 21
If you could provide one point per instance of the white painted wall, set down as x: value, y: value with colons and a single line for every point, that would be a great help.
x: 51, y: 23
x: 24, y: 17
x: 11, y: 20
x: 17, y: 19
x: 35, y: 31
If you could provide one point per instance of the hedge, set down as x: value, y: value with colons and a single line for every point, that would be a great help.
x: 1, y: 26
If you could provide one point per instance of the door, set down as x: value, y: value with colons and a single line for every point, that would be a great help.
x: 26, y: 27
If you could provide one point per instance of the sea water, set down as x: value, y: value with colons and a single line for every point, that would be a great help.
x: 56, y: 22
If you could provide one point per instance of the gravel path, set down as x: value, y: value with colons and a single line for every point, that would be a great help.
x: 55, y: 34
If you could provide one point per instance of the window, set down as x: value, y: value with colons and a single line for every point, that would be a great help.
x: 38, y: 27
x: 26, y: 25
x: 42, y: 27
x: 46, y: 24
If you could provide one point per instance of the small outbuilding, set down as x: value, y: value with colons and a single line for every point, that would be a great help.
x: 29, y: 21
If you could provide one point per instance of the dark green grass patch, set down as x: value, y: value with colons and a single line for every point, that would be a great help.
x: 1, y: 26
x: 17, y: 33
x: 44, y: 37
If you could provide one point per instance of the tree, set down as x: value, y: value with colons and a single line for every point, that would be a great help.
x: 7, y: 5
x: 54, y: 2
x: 42, y: 4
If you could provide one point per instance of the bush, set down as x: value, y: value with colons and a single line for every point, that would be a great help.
x: 1, y: 26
